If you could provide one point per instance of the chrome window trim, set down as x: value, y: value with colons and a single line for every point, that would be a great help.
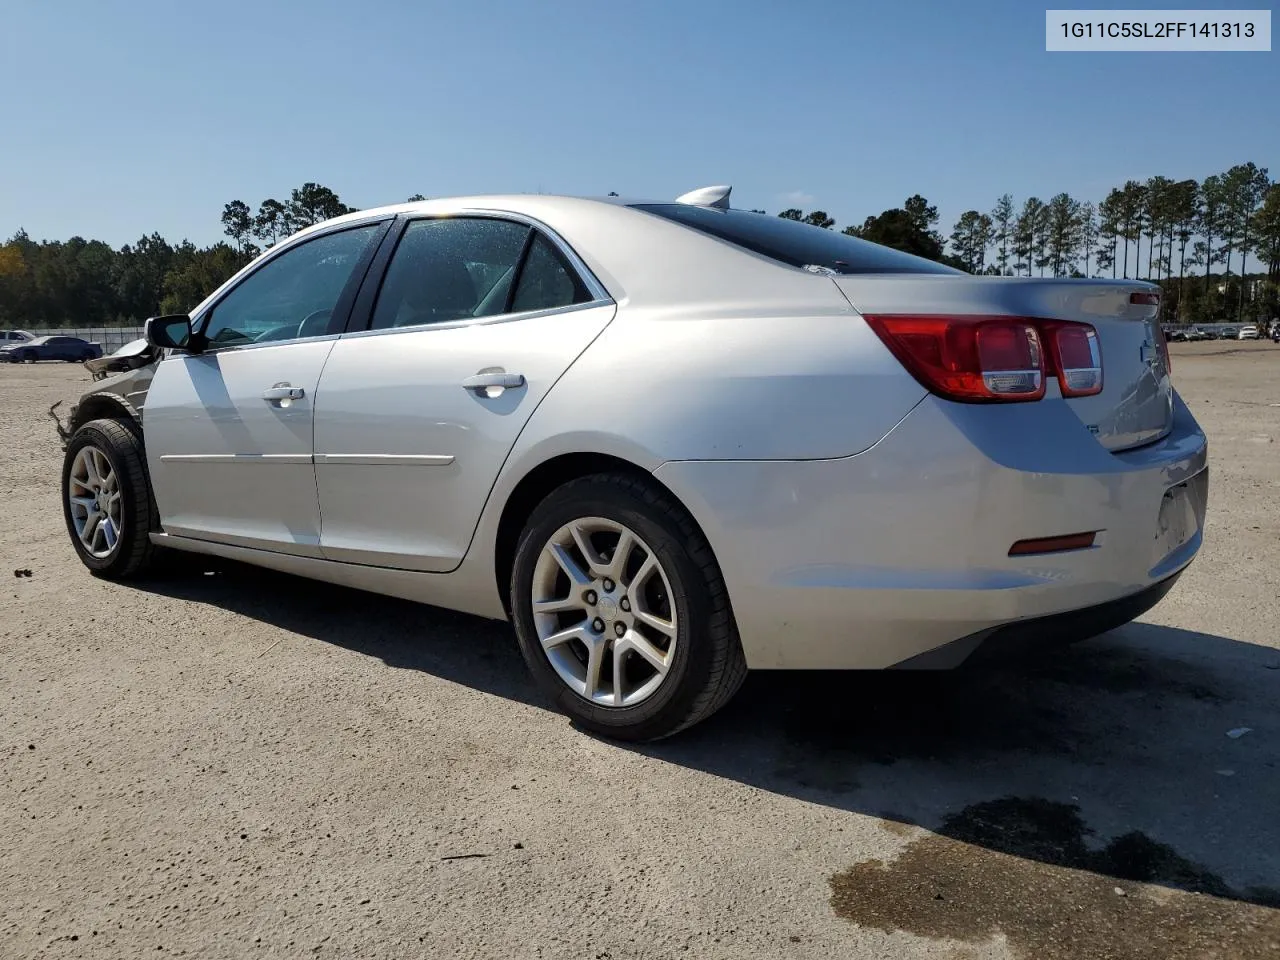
x: 237, y: 347
x: 473, y: 321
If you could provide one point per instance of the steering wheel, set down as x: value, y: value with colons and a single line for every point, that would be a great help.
x: 313, y: 315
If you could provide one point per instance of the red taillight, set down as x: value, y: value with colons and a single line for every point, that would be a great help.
x: 968, y: 358
x: 988, y: 359
x: 1075, y: 357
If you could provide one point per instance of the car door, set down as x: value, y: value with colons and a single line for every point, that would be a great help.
x: 475, y: 320
x: 229, y: 430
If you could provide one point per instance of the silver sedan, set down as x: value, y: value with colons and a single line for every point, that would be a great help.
x: 669, y: 441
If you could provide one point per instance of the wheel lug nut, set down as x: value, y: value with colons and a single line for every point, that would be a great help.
x: 597, y: 625
x: 625, y: 604
x: 620, y: 629
x: 608, y: 586
x: 590, y: 597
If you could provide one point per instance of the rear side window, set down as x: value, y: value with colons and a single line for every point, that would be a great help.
x: 546, y: 280
x: 449, y: 269
x: 794, y: 243
x: 460, y: 268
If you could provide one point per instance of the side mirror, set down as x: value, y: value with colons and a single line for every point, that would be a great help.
x: 172, y: 332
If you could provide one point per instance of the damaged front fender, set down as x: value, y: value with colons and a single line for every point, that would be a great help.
x: 64, y: 433
x: 118, y: 394
x: 134, y: 354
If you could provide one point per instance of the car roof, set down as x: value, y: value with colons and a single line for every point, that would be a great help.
x: 647, y: 261
x: 523, y: 203
x: 632, y: 253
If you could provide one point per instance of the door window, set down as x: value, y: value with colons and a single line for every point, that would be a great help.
x: 450, y: 269
x: 293, y: 295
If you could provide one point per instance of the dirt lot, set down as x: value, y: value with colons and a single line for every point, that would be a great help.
x: 224, y: 762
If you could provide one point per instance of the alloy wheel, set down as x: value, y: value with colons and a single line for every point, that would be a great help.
x: 603, y: 612
x: 93, y: 493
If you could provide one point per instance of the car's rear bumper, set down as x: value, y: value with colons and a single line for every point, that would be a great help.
x: 873, y: 560
x: 1041, y: 634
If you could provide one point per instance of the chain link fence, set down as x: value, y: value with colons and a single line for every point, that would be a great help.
x: 111, y: 339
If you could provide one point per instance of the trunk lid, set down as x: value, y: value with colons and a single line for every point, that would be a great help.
x: 1135, y: 406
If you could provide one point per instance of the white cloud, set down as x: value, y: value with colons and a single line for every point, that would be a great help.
x: 797, y: 198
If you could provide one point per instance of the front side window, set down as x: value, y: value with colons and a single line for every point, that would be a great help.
x: 450, y: 269
x: 292, y: 295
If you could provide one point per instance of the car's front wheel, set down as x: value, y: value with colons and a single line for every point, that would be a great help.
x: 28, y: 357
x: 106, y: 498
x: 621, y: 610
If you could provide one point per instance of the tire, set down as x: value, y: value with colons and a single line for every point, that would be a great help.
x: 119, y: 442
x: 28, y: 358
x: 705, y: 665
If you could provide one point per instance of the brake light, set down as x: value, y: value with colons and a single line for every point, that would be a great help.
x: 988, y: 359
x: 1076, y: 357
x: 974, y: 359
x: 1145, y: 299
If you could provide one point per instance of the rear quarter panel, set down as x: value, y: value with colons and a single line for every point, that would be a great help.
x: 729, y: 384
x: 717, y: 353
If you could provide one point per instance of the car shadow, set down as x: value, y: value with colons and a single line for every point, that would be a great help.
x: 1146, y: 754
x: 463, y: 649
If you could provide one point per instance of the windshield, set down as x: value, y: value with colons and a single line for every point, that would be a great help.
x: 794, y: 243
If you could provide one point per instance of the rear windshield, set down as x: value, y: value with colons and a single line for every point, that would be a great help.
x: 794, y: 243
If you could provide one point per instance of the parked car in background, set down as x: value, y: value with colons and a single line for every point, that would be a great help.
x: 669, y: 441
x: 8, y: 337
x: 69, y: 349
x: 1247, y: 332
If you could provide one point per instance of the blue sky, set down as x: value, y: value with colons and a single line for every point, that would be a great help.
x: 123, y: 118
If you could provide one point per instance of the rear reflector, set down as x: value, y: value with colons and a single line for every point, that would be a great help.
x: 1072, y: 541
x: 1145, y: 299
x: 991, y: 359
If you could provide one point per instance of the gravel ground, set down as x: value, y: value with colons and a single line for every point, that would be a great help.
x: 223, y: 762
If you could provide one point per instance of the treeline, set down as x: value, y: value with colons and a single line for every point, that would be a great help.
x: 1173, y: 232
x: 1192, y: 237
x: 87, y: 283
